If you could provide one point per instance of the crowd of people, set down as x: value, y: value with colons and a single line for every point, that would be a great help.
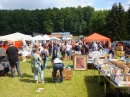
x: 41, y: 51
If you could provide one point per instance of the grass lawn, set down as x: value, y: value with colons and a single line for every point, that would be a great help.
x: 82, y: 84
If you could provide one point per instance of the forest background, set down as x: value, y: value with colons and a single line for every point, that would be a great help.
x: 113, y: 23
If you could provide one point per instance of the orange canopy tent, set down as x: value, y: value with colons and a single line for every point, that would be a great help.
x: 97, y: 37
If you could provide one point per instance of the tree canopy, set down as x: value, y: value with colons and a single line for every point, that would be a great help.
x: 77, y: 20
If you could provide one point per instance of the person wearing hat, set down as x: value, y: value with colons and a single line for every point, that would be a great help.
x: 12, y: 55
x: 57, y: 65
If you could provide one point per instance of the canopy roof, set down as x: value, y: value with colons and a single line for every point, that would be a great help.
x: 38, y: 37
x: 55, y: 38
x: 96, y: 37
x: 16, y: 36
x: 46, y: 37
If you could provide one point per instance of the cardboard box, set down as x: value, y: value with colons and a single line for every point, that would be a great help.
x: 101, y: 57
x: 118, y: 48
x: 116, y: 53
x: 67, y: 73
x: 29, y: 56
x: 67, y: 77
x: 122, y: 53
x: 120, y: 63
x: 126, y: 77
x: 113, y: 62
x: 126, y: 70
x: 123, y: 67
x: 119, y: 53
x: 22, y: 58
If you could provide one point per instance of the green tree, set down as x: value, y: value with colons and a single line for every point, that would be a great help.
x: 98, y: 22
x: 117, y: 21
x: 128, y: 13
x: 88, y: 13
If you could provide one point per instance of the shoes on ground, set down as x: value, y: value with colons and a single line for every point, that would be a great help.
x: 61, y: 81
x: 54, y: 82
x: 43, y: 82
x: 20, y: 76
x: 36, y: 81
x: 13, y: 76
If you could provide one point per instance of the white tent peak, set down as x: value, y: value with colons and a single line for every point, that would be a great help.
x: 46, y: 37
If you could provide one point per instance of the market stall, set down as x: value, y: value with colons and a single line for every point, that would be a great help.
x: 116, y: 73
x: 97, y: 37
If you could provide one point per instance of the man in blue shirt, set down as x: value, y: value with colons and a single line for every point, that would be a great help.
x: 55, y: 51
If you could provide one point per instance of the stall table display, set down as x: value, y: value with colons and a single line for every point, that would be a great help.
x: 117, y: 75
x: 118, y: 52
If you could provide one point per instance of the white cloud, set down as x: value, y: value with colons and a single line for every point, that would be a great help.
x: 43, y: 4
x: 126, y: 4
x: 128, y: 1
x: 73, y: 3
x: 33, y: 4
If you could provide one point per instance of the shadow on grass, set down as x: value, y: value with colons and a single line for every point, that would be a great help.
x: 27, y: 80
x: 8, y: 74
x: 48, y: 80
x: 27, y: 75
x: 49, y: 67
x: 90, y: 66
x: 94, y: 89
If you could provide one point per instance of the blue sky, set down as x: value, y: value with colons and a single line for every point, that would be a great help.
x: 43, y: 4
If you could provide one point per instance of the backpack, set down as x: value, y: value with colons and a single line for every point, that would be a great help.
x: 36, y: 62
x: 44, y: 54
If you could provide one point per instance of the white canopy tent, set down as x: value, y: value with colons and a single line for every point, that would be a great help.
x: 46, y: 37
x: 9, y: 37
x: 23, y: 36
x: 55, y: 38
x: 16, y: 36
x: 38, y: 37
x: 67, y: 38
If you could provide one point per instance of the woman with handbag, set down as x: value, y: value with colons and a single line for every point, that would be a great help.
x: 36, y: 66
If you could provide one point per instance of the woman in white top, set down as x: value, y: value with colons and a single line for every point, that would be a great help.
x: 68, y: 51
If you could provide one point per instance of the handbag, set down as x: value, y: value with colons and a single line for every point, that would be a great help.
x: 42, y: 67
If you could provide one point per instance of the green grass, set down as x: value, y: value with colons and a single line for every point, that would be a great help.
x: 82, y: 84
